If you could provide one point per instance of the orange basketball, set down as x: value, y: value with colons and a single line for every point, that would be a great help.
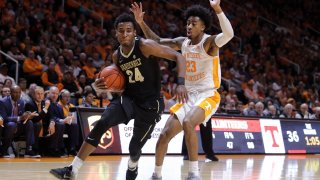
x: 113, y: 77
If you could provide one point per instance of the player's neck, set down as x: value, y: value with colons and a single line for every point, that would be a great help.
x: 126, y: 50
x: 195, y: 40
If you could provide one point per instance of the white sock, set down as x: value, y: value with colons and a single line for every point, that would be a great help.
x: 194, y: 168
x: 76, y: 164
x: 131, y: 164
x: 157, y: 170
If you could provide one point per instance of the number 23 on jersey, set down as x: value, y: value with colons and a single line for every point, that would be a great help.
x: 191, y: 66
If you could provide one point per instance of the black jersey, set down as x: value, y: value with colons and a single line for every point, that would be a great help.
x: 142, y: 74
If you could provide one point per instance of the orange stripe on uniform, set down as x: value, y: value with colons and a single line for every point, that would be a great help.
x: 175, y: 108
x: 215, y: 72
x: 210, y: 103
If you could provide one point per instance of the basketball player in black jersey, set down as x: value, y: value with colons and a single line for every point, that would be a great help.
x: 140, y: 100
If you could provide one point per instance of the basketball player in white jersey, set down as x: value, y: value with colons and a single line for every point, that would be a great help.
x: 202, y: 78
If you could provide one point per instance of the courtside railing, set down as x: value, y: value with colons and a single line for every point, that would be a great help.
x: 15, y: 61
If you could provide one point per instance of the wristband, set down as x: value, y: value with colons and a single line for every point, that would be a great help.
x: 180, y: 81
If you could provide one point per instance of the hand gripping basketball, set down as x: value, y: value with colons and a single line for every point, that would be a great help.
x: 114, y: 80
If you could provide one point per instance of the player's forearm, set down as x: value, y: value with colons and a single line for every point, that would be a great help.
x: 217, y: 9
x: 148, y: 32
x: 227, y: 30
x: 181, y: 65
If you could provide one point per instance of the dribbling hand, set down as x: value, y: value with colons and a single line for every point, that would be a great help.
x: 99, y: 84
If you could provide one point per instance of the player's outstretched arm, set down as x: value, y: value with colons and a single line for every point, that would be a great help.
x: 227, y: 31
x: 152, y: 48
x: 138, y: 14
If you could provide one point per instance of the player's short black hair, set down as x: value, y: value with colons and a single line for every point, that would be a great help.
x: 124, y: 17
x: 199, y: 11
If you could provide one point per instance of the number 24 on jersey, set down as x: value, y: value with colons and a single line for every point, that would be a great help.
x: 135, y: 75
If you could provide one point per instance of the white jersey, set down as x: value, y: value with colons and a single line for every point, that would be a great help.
x: 203, y: 72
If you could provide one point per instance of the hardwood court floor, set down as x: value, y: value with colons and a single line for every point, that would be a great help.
x: 230, y: 167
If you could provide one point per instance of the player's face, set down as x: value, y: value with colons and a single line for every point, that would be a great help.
x: 125, y: 33
x: 194, y: 27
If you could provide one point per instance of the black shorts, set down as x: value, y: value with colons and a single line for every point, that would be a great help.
x: 121, y: 110
x: 148, y: 111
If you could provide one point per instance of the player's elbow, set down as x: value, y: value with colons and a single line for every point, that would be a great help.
x: 229, y: 35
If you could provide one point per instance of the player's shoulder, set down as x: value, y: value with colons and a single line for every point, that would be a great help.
x: 210, y: 40
x: 115, y: 56
x: 147, y: 44
x: 115, y: 53
x: 210, y: 37
x: 179, y: 39
x: 144, y: 41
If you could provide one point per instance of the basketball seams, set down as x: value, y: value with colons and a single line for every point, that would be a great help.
x: 114, y: 78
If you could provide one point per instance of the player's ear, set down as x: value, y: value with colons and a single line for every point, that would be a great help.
x: 203, y: 27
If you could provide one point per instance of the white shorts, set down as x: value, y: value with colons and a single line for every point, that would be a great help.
x: 209, y: 104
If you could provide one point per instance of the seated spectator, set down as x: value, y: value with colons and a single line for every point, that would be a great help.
x: 97, y: 61
x: 259, y: 107
x: 83, y: 59
x: 45, y: 63
x: 271, y: 112
x: 30, y: 93
x: 60, y: 67
x: 16, y: 54
x: 250, y: 93
x: 5, y: 92
x: 23, y: 85
x: 7, y: 83
x: 32, y: 68
x: 70, y: 84
x: 105, y: 98
x: 38, y: 105
x: 16, y: 122
x: 250, y: 110
x: 171, y: 85
x: 82, y: 81
x: 288, y: 112
x: 88, y: 100
x: 240, y: 108
x: 4, y: 74
x: 1, y: 86
x: 89, y: 69
x: 54, y: 125
x: 75, y: 66
x: 50, y: 77
x: 315, y: 105
x: 71, y: 127
x: 316, y: 114
x: 304, y: 112
x: 292, y: 102
x: 231, y: 94
x: 230, y: 105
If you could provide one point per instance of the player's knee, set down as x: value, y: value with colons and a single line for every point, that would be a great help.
x: 135, y: 153
x: 164, y: 137
x: 96, y: 133
x: 187, y: 126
